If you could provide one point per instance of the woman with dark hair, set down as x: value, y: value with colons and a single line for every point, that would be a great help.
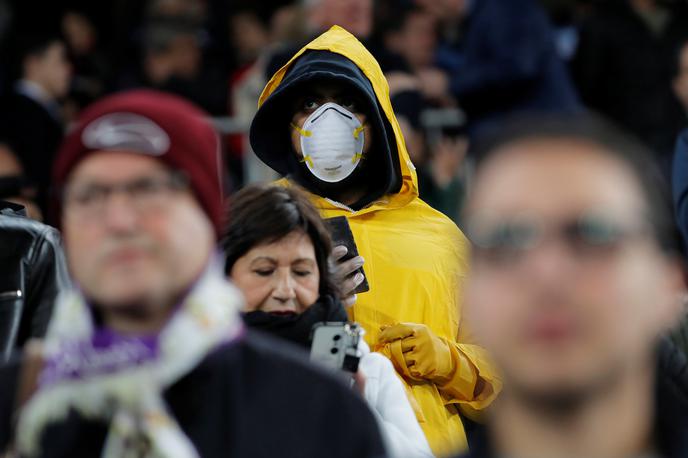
x: 277, y: 250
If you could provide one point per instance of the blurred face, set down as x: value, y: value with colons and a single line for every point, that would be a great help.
x: 319, y: 94
x: 79, y: 33
x: 567, y: 288
x: 681, y: 80
x: 186, y: 55
x: 356, y: 16
x: 419, y: 39
x: 249, y: 36
x: 134, y: 235
x: 445, y: 9
x: 279, y: 277
x: 9, y: 164
x: 51, y: 69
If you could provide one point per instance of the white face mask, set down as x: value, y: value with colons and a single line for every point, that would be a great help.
x: 332, y: 141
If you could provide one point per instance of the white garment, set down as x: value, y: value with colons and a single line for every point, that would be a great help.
x: 122, y: 383
x: 387, y: 399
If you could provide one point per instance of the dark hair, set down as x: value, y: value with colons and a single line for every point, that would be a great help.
x: 31, y: 45
x: 612, y: 141
x: 396, y: 21
x: 263, y: 213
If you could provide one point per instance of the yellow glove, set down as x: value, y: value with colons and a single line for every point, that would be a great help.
x: 418, y: 354
x: 424, y: 356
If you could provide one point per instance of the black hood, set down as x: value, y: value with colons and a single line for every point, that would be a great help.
x: 270, y: 134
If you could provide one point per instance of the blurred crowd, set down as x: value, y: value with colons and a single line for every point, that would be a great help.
x: 481, y: 204
x: 624, y: 58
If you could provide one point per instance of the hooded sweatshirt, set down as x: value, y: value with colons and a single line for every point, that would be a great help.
x: 415, y: 257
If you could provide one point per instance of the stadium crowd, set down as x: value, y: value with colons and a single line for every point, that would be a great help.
x: 331, y: 275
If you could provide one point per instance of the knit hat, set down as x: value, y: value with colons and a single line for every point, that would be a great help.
x: 153, y: 123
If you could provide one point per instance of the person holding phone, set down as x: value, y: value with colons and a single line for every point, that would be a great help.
x: 277, y: 249
x: 326, y: 123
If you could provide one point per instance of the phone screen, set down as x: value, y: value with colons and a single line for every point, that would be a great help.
x: 341, y: 234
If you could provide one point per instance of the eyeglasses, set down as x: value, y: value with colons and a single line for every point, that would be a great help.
x: 144, y: 194
x: 591, y: 236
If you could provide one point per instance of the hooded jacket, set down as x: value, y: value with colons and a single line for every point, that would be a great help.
x: 415, y: 257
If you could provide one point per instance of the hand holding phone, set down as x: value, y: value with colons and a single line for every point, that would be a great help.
x: 335, y: 345
x: 347, y: 264
x: 347, y: 274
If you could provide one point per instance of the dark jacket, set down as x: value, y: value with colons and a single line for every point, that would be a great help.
x: 32, y: 272
x: 253, y: 398
x: 624, y: 70
x: 679, y: 185
x: 509, y: 64
x: 671, y: 414
x: 34, y: 134
x: 679, y: 334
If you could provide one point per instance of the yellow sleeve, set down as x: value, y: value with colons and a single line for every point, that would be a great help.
x: 474, y: 384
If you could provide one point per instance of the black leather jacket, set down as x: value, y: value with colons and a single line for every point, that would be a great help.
x: 32, y: 272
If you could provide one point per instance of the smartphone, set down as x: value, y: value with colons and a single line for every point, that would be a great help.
x: 341, y: 234
x: 335, y: 345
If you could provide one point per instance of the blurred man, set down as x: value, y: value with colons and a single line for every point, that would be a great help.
x: 356, y: 16
x: 412, y: 34
x: 148, y: 357
x: 14, y: 185
x: 31, y: 118
x: 173, y: 61
x: 506, y: 61
x: 623, y: 68
x: 573, y: 278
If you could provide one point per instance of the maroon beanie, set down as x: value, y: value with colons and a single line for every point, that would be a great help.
x: 157, y: 124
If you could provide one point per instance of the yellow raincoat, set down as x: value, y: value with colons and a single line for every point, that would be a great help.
x: 415, y: 259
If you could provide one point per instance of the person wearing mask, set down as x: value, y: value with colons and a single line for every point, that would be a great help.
x: 148, y: 355
x: 574, y: 278
x: 326, y: 123
x: 277, y: 250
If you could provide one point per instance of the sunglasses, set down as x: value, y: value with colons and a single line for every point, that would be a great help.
x: 591, y: 235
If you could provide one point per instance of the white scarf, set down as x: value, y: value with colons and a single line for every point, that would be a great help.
x: 121, y: 381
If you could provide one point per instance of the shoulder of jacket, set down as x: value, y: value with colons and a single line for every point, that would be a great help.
x: 21, y: 230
